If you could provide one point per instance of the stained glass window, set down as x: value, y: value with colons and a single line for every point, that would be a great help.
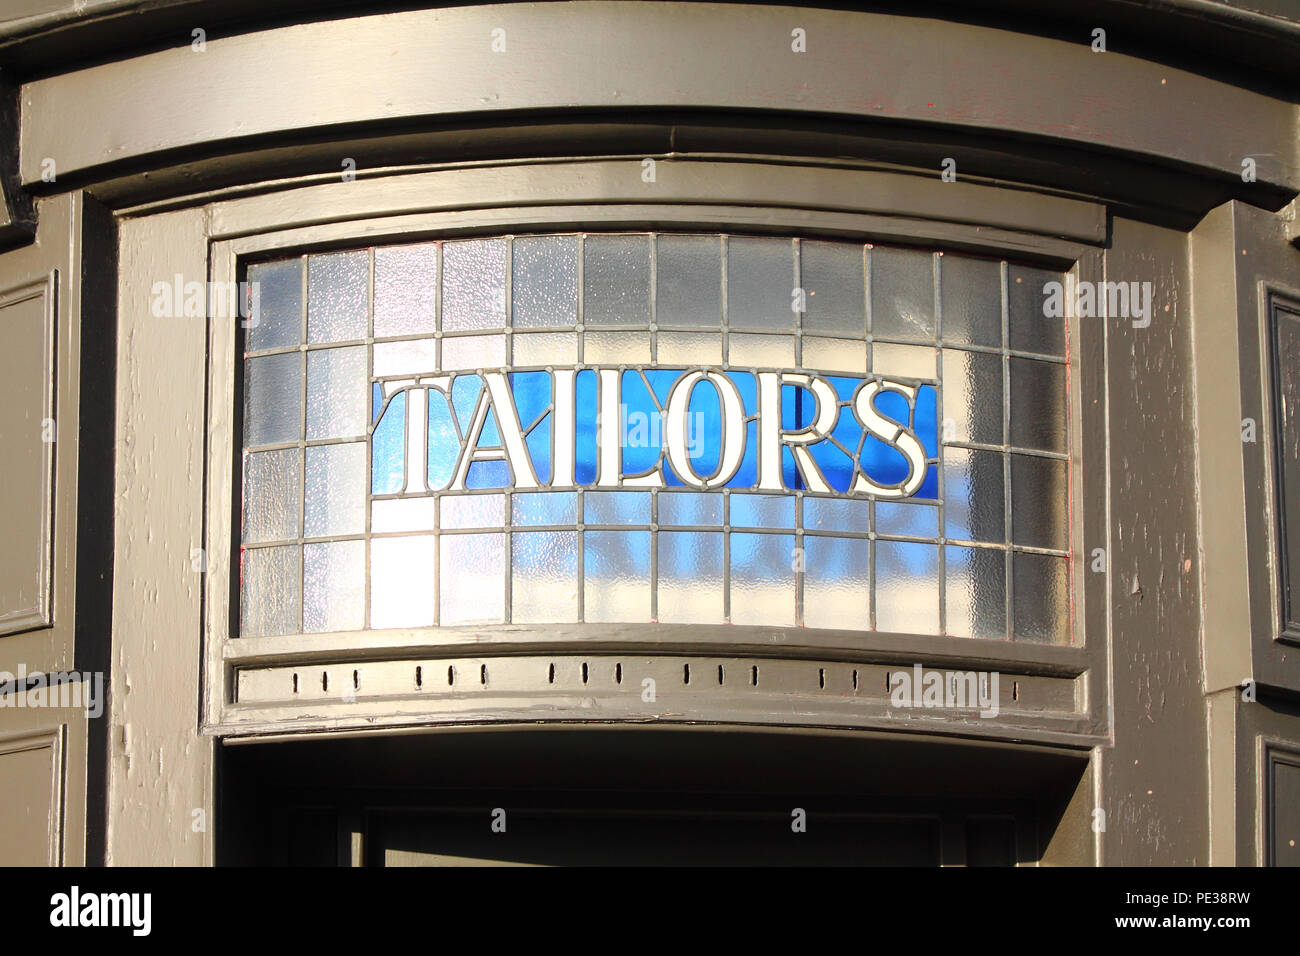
x: 689, y: 429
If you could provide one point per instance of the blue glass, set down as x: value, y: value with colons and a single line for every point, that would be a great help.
x: 836, y: 467
x: 893, y: 405
x: 882, y: 463
x: 444, y: 443
x: 488, y: 474
x: 585, y: 388
x: 641, y: 427
x: 930, y: 487
x: 925, y: 418
x: 465, y: 390
x: 388, y: 448
x: 532, y: 394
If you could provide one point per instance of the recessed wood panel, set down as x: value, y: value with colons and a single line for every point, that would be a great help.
x: 31, y: 823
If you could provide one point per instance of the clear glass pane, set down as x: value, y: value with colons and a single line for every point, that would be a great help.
x: 973, y: 488
x: 276, y: 322
x: 473, y: 351
x: 907, y: 587
x: 903, y: 361
x: 402, y: 514
x: 616, y: 348
x: 271, y: 579
x: 762, y: 579
x: 616, y: 507
x: 760, y: 284
x: 836, y: 514
x: 474, y: 285
x: 837, y: 583
x: 472, y: 582
x: 689, y: 348
x: 1038, y: 405
x: 762, y: 511
x: 338, y: 294
x: 760, y: 351
x: 834, y: 355
x: 544, y: 583
x: 907, y: 520
x: 544, y: 348
x: 273, y: 399
x: 972, y: 396
x: 832, y: 282
x: 557, y: 507
x: 544, y: 290
x: 616, y: 280
x: 1040, y: 490
x: 975, y: 595
x: 1029, y: 327
x: 688, y: 284
x: 419, y: 357
x: 401, y: 581
x: 690, y: 577
x: 473, y: 511
x: 338, y: 390
x: 1042, y: 598
x: 406, y: 289
x: 690, y: 508
x: 272, y: 494
x: 902, y: 293
x: 972, y: 300
x: 334, y: 585
x: 617, y: 569
x: 336, y: 490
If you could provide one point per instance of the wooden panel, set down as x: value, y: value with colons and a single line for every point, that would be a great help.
x: 31, y: 804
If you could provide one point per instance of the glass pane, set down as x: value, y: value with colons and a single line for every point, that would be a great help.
x: 616, y: 507
x: 760, y: 284
x: 617, y: 569
x: 402, y: 514
x: 760, y: 351
x: 833, y: 514
x: 1028, y: 325
x: 903, y: 361
x: 690, y: 508
x: 544, y: 508
x: 688, y: 284
x: 406, y: 289
x: 334, y: 582
x: 762, y: 511
x: 337, y: 392
x: 762, y: 579
x: 471, y: 569
x: 690, y: 577
x: 616, y: 280
x: 972, y: 300
x: 276, y: 322
x: 544, y: 585
x: 473, y: 511
x: 972, y: 396
x: 401, y: 581
x: 689, y: 348
x: 271, y: 495
x: 273, y: 399
x: 474, y: 285
x: 832, y: 282
x: 406, y: 358
x: 973, y: 484
x: 1042, y: 598
x: 975, y: 595
x: 838, y: 355
x: 544, y: 348
x: 1040, y: 490
x: 902, y: 293
x: 616, y: 348
x: 544, y: 290
x: 473, y: 351
x: 907, y: 587
x: 336, y: 490
x: 338, y: 293
x: 837, y: 583
x: 270, y: 578
x: 1037, y: 405
x: 907, y: 520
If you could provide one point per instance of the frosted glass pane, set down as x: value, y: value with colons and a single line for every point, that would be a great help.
x: 1042, y: 598
x: 401, y: 514
x: 270, y: 578
x: 473, y: 351
x: 688, y: 287
x: 689, y: 348
x: 545, y: 284
x: 616, y: 348
x: 690, y: 508
x: 273, y: 399
x: 616, y: 280
x: 835, y: 355
x: 544, y: 348
x: 559, y: 507
x: 760, y: 351
x: 338, y: 392
x: 907, y: 520
x: 762, y: 511
x: 973, y: 495
x: 338, y: 290
x: 1030, y: 329
x: 276, y: 320
x: 616, y: 507
x: 473, y: 511
x: 760, y: 284
x: 406, y: 358
x: 975, y: 594
x: 1037, y: 405
x: 903, y: 361
x: 972, y: 396
x: 762, y: 579
x: 544, y: 582
x: 617, y: 569
x: 334, y: 581
x: 835, y: 514
x: 401, y: 581
x: 837, y: 583
x: 907, y: 587
x: 690, y: 577
x: 406, y: 289
x: 1041, y: 495
x: 972, y: 300
x: 474, y: 285
x: 472, y: 586
x: 271, y: 495
x: 336, y: 490
x: 902, y: 293
x: 831, y: 277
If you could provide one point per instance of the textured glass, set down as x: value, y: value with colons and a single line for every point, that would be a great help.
x: 975, y: 592
x: 762, y: 579
x: 1041, y: 587
x: 902, y: 293
x: 616, y: 280
x: 906, y: 520
x: 690, y: 508
x: 473, y: 351
x: 334, y: 584
x: 1041, y: 492
x: 544, y: 348
x: 760, y: 351
x: 691, y: 588
x: 406, y: 358
x: 762, y: 511
x: 1028, y: 325
x: 616, y: 507
x: 406, y: 289
x: 835, y: 514
x: 544, y: 285
x: 402, y: 514
x: 689, y: 348
x: 276, y: 320
x: 616, y: 566
x: 972, y: 396
x: 544, y: 576
x: 270, y: 578
x: 472, y: 582
x: 1037, y: 405
x: 336, y: 490
x: 337, y: 392
x: 338, y: 290
x: 553, y: 507
x: 760, y: 284
x: 973, y: 488
x: 473, y: 511
x: 903, y: 361
x: 907, y: 587
x: 972, y: 300
x: 837, y: 583
x: 401, y: 581
x: 272, y: 399
x: 616, y: 348
x: 271, y: 495
x: 688, y: 283
x: 834, y: 355
x: 831, y: 277
x: 474, y: 285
